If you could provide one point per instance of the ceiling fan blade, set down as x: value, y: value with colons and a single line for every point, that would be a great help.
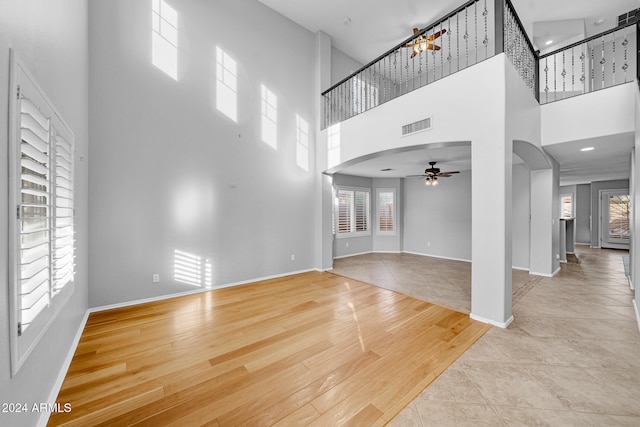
x: 443, y: 175
x: 450, y: 172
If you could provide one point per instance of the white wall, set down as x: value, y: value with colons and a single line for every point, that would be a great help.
x: 51, y: 40
x: 171, y: 172
x: 342, y: 65
x: 600, y: 113
x: 464, y: 107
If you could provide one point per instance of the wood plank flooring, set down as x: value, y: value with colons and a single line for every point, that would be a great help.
x: 309, y: 349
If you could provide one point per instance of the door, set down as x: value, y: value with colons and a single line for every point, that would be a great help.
x: 615, y: 210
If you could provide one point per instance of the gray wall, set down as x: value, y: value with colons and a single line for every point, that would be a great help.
x: 345, y: 246
x: 342, y: 65
x: 173, y: 173
x: 437, y: 220
x: 52, y: 44
x: 595, y: 200
x: 520, y: 216
x: 583, y: 213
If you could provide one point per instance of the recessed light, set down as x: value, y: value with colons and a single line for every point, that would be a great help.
x: 386, y: 170
x: 587, y: 149
x: 346, y: 20
x: 599, y: 22
x: 548, y: 42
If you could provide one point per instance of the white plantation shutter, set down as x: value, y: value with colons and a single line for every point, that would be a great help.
x: 34, y: 213
x: 63, y: 232
x: 41, y: 238
x: 353, y: 212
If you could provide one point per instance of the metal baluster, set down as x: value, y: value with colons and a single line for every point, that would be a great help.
x: 485, y: 41
x: 555, y: 88
x: 420, y: 70
x: 625, y: 66
x: 457, y: 41
x: 592, y: 68
x: 583, y: 77
x: 413, y: 72
x: 406, y: 67
x: 466, y: 36
x: 441, y: 52
x: 602, y: 61
x: 613, y: 66
x: 573, y: 74
x: 433, y: 52
x: 475, y: 28
x: 564, y: 73
x: 395, y: 72
x: 546, y: 79
x: 449, y: 41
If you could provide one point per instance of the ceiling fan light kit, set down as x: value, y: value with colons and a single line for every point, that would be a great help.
x: 432, y: 174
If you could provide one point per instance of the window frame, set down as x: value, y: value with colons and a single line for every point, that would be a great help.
x: 394, y: 210
x: 23, y: 340
x: 353, y: 220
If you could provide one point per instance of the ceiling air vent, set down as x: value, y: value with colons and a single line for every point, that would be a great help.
x: 416, y: 126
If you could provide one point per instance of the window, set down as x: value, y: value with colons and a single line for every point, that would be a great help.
x: 566, y: 206
x: 386, y: 211
x: 41, y: 238
x: 302, y: 143
x: 353, y: 212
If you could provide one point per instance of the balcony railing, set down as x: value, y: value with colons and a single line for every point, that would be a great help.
x: 604, y: 60
x: 475, y: 32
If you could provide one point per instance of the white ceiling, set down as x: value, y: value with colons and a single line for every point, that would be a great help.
x: 378, y: 25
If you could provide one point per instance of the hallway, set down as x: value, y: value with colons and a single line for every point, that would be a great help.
x: 569, y: 358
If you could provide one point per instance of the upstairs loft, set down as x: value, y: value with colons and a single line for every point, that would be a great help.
x: 461, y: 46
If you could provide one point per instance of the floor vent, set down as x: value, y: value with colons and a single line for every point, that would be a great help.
x: 416, y: 126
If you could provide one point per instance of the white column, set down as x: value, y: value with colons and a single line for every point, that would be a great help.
x: 323, y: 233
x: 545, y: 223
x: 491, y: 231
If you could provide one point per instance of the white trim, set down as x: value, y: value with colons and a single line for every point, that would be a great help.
x: 635, y: 307
x: 195, y: 291
x: 386, y: 252
x: 437, y: 256
x: 520, y: 268
x: 356, y: 254
x: 55, y: 390
x: 582, y: 244
x: 502, y: 325
x: 545, y: 274
x: 630, y: 284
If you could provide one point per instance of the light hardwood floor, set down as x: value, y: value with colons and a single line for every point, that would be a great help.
x: 309, y: 349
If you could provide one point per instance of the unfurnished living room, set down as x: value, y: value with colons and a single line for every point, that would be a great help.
x: 270, y: 212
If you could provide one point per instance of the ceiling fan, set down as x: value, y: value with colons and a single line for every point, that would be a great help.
x: 432, y: 174
x: 420, y: 44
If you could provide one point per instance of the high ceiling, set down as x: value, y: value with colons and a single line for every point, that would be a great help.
x: 366, y: 29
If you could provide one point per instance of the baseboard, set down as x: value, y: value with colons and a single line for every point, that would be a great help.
x: 195, y: 291
x: 55, y: 390
x: 545, y: 274
x: 520, y: 268
x: 633, y: 288
x: 386, y: 252
x: 350, y: 255
x: 436, y: 256
x: 635, y: 307
x: 502, y: 325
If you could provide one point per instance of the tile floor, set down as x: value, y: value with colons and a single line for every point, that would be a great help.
x: 571, y: 357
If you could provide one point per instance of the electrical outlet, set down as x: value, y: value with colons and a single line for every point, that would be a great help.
x: 156, y: 278
x: 293, y: 257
